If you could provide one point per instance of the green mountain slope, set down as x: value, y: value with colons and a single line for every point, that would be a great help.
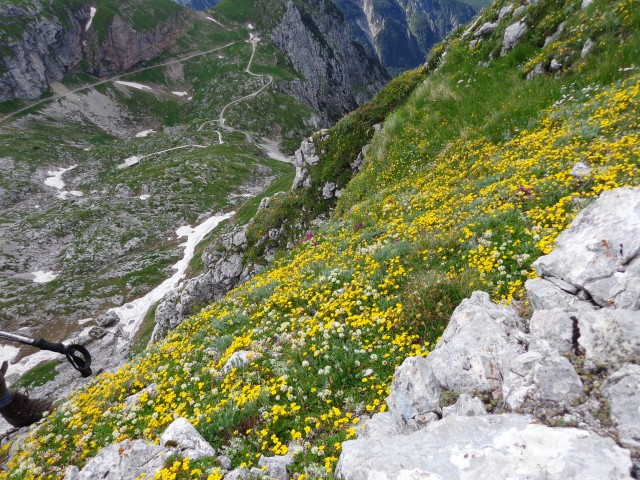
x: 466, y: 183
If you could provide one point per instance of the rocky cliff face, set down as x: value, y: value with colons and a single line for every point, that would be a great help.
x: 44, y: 52
x: 40, y: 44
x: 338, y: 74
x: 401, y: 32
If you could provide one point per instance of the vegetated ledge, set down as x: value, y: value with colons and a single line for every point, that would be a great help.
x: 444, y: 201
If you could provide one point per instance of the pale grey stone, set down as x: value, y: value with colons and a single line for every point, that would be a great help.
x: 539, y: 377
x: 622, y: 390
x: 329, y: 190
x: 124, y: 461
x: 490, y: 447
x: 415, y: 393
x: 275, y: 467
x: 381, y: 425
x: 512, y: 36
x: 554, y: 326
x: 586, y: 3
x: 133, y: 399
x: 182, y: 438
x: 587, y: 47
x: 545, y: 295
x: 474, y: 349
x: 555, y: 66
x: 465, y: 406
x: 264, y: 203
x: 238, y: 360
x: 580, y: 170
x: 237, y: 474
x: 505, y: 11
x: 486, y: 29
x: 107, y: 319
x: 620, y: 290
x: 71, y: 473
x: 538, y: 69
x: 599, y: 247
x: 305, y: 156
x: 566, y: 286
x: 519, y: 11
x: 610, y: 336
x: 224, y: 461
x: 552, y: 38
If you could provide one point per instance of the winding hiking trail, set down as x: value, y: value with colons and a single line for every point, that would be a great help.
x: 110, y: 79
x: 220, y: 120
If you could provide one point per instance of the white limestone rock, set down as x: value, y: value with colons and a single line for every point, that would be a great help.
x: 539, y: 377
x: 238, y: 360
x: 124, y: 461
x: 587, y: 47
x: 599, y: 252
x: 504, y: 12
x: 512, y: 36
x: 415, y: 393
x: 544, y: 294
x: 185, y: 440
x: 580, y: 170
x: 610, y: 336
x: 305, y: 156
x: 486, y: 29
x: 465, y: 406
x: 381, y: 426
x: 488, y: 447
x: 555, y: 327
x: 474, y: 349
x: 622, y: 390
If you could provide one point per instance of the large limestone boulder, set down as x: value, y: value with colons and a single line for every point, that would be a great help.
x: 475, y: 348
x: 487, y: 447
x: 600, y: 252
x: 512, y: 36
x: 124, y: 461
x: 182, y: 438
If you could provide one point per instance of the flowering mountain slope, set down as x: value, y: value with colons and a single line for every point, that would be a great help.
x: 469, y: 180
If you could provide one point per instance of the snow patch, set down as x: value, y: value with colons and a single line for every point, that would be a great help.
x: 8, y: 352
x: 131, y: 314
x: 180, y: 94
x: 138, y: 86
x: 145, y: 133
x: 250, y: 26
x: 31, y: 361
x: 55, y: 180
x: 145, y: 197
x: 43, y: 277
x: 92, y: 13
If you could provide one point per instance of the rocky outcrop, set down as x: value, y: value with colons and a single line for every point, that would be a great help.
x: 224, y: 270
x: 123, y: 47
x: 46, y: 43
x: 337, y: 74
x: 136, y: 458
x: 47, y: 49
x: 574, y: 363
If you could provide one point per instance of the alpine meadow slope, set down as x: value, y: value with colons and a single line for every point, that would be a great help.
x: 454, y: 178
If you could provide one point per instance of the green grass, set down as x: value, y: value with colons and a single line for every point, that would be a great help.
x: 37, y: 376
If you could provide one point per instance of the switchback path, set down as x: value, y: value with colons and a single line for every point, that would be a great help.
x: 220, y: 120
x: 110, y: 79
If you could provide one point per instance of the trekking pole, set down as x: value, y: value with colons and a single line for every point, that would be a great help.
x: 77, y: 355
